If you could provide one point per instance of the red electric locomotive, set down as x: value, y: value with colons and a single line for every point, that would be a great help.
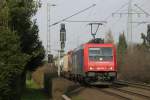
x: 93, y: 63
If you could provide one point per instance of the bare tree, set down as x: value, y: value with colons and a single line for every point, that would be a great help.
x: 109, y: 37
x: 2, y: 2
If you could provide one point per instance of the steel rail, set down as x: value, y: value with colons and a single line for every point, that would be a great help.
x: 112, y: 94
x: 136, y: 85
x: 131, y: 92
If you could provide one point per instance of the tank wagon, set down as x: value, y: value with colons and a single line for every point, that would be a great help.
x: 92, y: 63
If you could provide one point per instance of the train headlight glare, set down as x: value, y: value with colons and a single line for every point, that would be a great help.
x: 100, y: 59
x: 91, y: 68
x: 111, y: 68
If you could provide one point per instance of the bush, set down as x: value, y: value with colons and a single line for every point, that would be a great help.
x: 12, y: 63
x: 137, y: 65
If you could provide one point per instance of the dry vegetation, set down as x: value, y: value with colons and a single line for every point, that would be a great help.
x: 45, y: 77
x: 136, y: 66
x: 38, y: 75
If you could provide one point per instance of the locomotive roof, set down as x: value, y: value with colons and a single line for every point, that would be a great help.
x: 93, y: 44
x: 99, y: 44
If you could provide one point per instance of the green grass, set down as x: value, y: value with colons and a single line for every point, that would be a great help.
x: 77, y: 98
x: 33, y: 92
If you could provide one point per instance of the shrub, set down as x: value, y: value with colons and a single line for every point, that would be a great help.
x: 137, y: 65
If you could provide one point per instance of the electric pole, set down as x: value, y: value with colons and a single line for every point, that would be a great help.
x: 130, y: 21
x: 49, y: 56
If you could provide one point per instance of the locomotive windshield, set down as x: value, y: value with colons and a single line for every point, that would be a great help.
x: 100, y: 54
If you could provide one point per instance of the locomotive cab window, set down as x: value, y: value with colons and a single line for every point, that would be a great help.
x: 100, y: 54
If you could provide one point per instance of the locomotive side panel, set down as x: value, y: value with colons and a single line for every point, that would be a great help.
x: 115, y: 58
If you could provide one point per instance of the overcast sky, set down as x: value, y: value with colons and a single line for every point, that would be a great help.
x: 78, y: 33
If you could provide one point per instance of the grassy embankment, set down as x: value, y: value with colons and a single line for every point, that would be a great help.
x: 33, y: 92
x: 77, y: 98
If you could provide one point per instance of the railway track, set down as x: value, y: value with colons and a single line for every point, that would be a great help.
x: 136, y: 85
x: 122, y: 91
x: 123, y: 94
x: 121, y: 97
x: 127, y: 91
x: 133, y: 93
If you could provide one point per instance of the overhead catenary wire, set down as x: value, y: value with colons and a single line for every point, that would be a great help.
x: 130, y: 12
x: 116, y: 11
x: 141, y: 9
x: 143, y: 3
x: 93, y: 5
x: 139, y: 6
x: 85, y: 21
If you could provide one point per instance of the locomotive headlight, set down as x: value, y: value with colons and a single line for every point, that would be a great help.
x: 91, y: 68
x: 110, y: 68
x: 100, y: 59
